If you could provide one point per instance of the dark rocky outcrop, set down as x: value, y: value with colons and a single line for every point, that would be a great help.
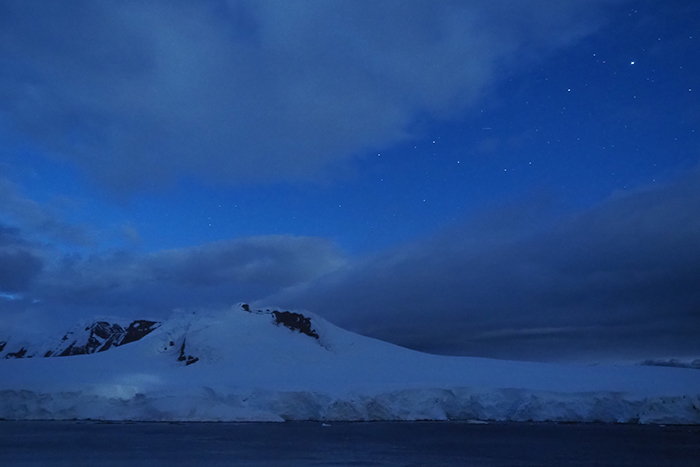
x: 295, y: 322
x: 19, y: 354
x: 289, y: 319
x: 102, y: 336
x: 138, y: 329
x: 183, y: 357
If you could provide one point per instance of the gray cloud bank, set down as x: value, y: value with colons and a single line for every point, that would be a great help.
x: 37, y: 220
x: 212, y: 274
x: 621, y: 280
x: 42, y: 291
x: 19, y: 264
x: 208, y: 275
x: 139, y: 93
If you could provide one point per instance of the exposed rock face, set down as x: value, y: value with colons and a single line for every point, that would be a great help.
x: 295, y: 322
x: 183, y: 357
x: 138, y: 329
x: 19, y: 354
x: 102, y: 335
x: 96, y: 337
x: 288, y: 319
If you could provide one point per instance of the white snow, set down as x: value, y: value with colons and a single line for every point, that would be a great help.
x: 251, y: 369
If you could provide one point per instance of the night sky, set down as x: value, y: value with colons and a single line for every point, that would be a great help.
x: 500, y: 178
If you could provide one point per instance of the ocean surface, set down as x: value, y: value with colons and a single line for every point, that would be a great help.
x: 98, y: 444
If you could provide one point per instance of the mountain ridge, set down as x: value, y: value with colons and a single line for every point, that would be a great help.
x: 85, y: 338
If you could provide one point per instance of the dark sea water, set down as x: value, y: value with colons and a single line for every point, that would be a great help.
x: 97, y: 444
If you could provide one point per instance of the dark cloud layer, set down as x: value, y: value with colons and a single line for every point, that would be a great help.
x: 19, y: 265
x: 37, y: 220
x: 17, y: 269
x: 620, y: 279
x: 209, y: 275
x: 139, y: 93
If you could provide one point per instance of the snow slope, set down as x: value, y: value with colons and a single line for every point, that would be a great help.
x: 241, y: 364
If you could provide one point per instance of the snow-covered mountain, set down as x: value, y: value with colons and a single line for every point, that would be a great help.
x: 244, y: 364
x: 85, y: 338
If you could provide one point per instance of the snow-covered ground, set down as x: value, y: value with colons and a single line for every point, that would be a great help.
x: 251, y: 365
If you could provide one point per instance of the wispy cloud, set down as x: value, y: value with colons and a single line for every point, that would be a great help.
x: 139, y: 93
x: 38, y: 220
x: 19, y: 261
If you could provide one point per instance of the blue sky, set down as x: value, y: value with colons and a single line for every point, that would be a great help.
x: 509, y: 179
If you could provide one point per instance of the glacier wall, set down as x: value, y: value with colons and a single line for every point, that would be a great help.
x: 407, y: 405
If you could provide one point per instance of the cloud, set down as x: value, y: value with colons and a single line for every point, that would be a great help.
x: 19, y: 263
x: 213, y: 274
x: 140, y: 93
x: 10, y: 236
x: 37, y: 220
x: 276, y: 261
x: 619, y: 279
x: 17, y: 269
